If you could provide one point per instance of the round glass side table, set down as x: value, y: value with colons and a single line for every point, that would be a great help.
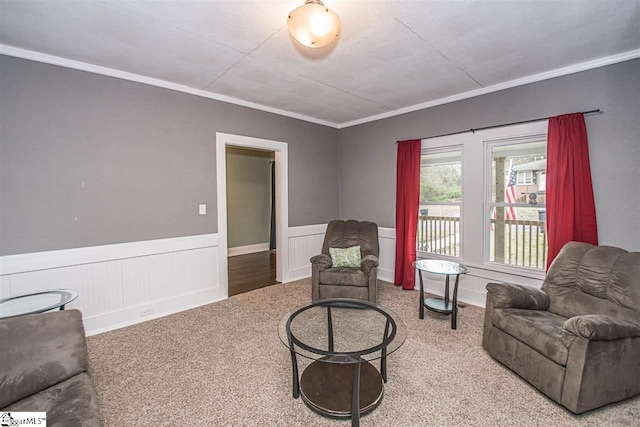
x: 38, y: 302
x: 437, y: 305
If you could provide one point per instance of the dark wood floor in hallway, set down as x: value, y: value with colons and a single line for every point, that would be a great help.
x: 251, y: 271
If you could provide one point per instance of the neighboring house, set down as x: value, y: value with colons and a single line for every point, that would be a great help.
x: 531, y: 178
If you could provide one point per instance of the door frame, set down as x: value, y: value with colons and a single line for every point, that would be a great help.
x: 282, y: 202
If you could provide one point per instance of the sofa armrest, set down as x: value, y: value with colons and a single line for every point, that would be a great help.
x: 597, y: 327
x: 508, y: 295
x: 322, y: 261
x: 367, y: 263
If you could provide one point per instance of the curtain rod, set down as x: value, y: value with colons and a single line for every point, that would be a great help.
x: 502, y: 125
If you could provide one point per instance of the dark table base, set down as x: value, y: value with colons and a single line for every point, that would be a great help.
x: 439, y: 305
x: 327, y: 388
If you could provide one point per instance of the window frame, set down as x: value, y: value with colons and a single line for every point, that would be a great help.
x: 427, y: 148
x: 474, y: 228
x: 488, y: 204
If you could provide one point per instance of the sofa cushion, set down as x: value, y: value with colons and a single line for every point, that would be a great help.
x: 624, y: 281
x: 539, y: 329
x: 38, y: 351
x: 344, y: 276
x: 70, y: 403
x: 592, y: 276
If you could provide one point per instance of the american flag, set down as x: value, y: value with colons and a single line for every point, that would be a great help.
x: 510, y: 196
x: 510, y: 193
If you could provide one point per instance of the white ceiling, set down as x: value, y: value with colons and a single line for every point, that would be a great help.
x: 392, y: 56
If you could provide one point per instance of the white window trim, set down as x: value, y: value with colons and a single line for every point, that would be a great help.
x: 496, y: 137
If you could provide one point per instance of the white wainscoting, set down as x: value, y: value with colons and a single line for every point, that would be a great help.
x: 128, y: 283
x: 304, y: 242
x: 387, y: 259
x: 122, y: 284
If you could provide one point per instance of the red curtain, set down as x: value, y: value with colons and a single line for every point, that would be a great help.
x: 571, y: 211
x: 407, y: 200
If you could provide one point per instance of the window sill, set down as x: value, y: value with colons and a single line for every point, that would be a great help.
x: 514, y: 271
x: 491, y: 268
x: 429, y: 255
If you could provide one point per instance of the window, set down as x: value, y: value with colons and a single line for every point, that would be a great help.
x: 440, y: 202
x: 525, y: 177
x: 517, y: 211
x: 462, y: 216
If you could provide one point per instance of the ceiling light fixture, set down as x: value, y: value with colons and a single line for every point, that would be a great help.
x: 313, y: 24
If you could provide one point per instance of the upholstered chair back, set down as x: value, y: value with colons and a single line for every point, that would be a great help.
x: 587, y: 279
x: 345, y: 234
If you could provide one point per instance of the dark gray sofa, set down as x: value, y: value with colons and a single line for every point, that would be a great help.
x: 43, y: 368
x: 357, y: 283
x: 577, y: 339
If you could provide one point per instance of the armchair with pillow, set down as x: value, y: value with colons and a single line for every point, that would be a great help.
x: 348, y: 264
x: 577, y: 339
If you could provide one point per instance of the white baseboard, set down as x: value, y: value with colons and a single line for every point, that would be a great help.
x: 163, y: 307
x: 249, y: 249
x: 385, y: 274
x: 300, y: 273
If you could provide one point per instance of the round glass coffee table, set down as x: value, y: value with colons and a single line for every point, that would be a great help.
x: 442, y: 306
x: 38, y: 302
x: 341, y: 337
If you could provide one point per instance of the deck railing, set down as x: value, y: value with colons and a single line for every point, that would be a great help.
x: 524, y: 245
x: 439, y: 235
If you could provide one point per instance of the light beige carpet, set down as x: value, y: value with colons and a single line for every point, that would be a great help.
x: 224, y: 365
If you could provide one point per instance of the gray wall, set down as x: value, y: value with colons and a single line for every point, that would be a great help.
x: 90, y: 160
x: 248, y: 196
x: 368, y: 152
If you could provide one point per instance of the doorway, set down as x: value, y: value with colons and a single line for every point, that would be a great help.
x: 280, y: 172
x: 251, y: 230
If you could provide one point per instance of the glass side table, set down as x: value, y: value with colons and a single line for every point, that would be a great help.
x: 442, y: 306
x: 38, y: 302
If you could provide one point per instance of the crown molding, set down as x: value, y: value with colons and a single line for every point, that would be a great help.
x: 576, y: 68
x: 112, y: 72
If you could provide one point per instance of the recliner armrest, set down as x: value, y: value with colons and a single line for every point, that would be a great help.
x: 509, y: 295
x: 598, y: 327
x: 367, y: 263
x: 322, y: 261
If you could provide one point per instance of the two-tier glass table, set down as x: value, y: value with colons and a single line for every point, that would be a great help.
x: 342, y: 337
x: 442, y: 306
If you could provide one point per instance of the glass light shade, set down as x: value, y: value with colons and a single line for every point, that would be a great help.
x: 313, y: 24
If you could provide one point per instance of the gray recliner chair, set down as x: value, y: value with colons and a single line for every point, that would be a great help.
x: 43, y: 368
x: 357, y: 283
x: 577, y: 339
